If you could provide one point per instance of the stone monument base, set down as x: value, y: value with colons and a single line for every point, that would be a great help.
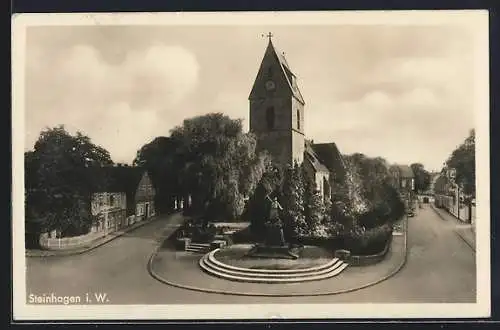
x: 273, y: 251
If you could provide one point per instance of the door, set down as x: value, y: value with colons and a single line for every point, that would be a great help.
x: 146, y: 211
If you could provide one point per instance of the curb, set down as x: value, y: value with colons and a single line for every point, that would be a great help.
x: 77, y: 252
x: 469, y: 244
x: 236, y: 293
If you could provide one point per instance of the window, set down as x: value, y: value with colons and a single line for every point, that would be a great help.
x: 111, y: 200
x: 270, y: 117
x: 270, y: 71
x: 298, y: 119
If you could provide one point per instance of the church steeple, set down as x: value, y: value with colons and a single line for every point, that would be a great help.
x: 272, y: 57
x: 277, y: 108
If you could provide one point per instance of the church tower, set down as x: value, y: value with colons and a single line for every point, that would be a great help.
x: 277, y: 109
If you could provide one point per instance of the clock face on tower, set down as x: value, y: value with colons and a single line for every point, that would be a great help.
x: 270, y: 85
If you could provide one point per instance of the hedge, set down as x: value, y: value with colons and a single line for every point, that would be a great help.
x: 368, y: 241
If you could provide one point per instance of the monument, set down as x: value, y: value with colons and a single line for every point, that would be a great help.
x: 274, y: 244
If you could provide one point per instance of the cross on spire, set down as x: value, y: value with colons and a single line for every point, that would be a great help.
x: 269, y: 35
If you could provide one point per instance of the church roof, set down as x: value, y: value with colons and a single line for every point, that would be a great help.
x: 285, y: 67
x: 312, y: 157
x: 290, y: 76
x: 329, y: 155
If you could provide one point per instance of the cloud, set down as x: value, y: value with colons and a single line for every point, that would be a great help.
x: 401, y: 92
x: 117, y: 104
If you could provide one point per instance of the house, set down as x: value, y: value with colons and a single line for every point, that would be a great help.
x: 404, y: 182
x: 127, y: 196
x: 277, y: 120
x: 404, y: 178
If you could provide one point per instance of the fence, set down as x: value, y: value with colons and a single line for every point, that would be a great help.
x: 464, y: 212
x: 66, y: 243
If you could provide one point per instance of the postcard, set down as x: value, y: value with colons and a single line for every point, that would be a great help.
x: 251, y: 165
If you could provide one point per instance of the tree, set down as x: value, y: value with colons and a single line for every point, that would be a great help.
x: 373, y: 199
x: 158, y: 157
x: 314, y: 208
x: 220, y: 166
x: 293, y: 203
x: 61, y: 181
x: 422, y: 177
x: 463, y: 160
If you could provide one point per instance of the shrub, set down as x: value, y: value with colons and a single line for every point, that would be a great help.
x: 361, y: 241
x: 329, y: 243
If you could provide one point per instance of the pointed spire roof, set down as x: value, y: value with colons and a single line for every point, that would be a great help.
x: 290, y: 76
x: 285, y: 68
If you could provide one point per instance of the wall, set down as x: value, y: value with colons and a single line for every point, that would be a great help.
x: 140, y: 210
x: 450, y: 204
x: 145, y: 190
x: 277, y: 143
x: 112, y: 210
x: 298, y: 133
x: 67, y: 243
x: 104, y: 201
x: 319, y: 177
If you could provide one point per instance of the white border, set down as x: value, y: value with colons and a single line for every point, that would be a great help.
x: 474, y: 18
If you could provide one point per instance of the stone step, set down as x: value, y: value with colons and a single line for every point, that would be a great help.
x: 212, y: 266
x: 198, y: 249
x: 269, y: 275
x: 212, y: 259
x: 200, y: 244
x: 292, y: 279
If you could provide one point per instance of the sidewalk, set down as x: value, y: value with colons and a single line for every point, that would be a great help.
x: 464, y: 230
x: 90, y: 246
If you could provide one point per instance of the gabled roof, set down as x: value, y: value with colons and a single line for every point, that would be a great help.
x: 121, y: 179
x: 312, y: 158
x: 405, y: 171
x: 329, y: 155
x: 440, y: 184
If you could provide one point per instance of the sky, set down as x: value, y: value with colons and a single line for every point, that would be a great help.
x: 404, y: 93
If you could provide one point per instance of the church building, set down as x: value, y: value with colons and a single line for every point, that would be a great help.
x: 277, y: 119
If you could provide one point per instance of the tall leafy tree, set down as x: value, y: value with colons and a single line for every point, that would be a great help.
x: 314, y: 208
x: 220, y: 166
x: 293, y: 203
x: 372, y: 195
x: 61, y: 180
x: 463, y: 160
x: 422, y: 177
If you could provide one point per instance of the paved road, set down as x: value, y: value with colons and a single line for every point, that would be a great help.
x: 440, y: 268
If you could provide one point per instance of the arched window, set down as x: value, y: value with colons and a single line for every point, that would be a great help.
x: 270, y: 71
x: 270, y: 117
x: 298, y: 119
